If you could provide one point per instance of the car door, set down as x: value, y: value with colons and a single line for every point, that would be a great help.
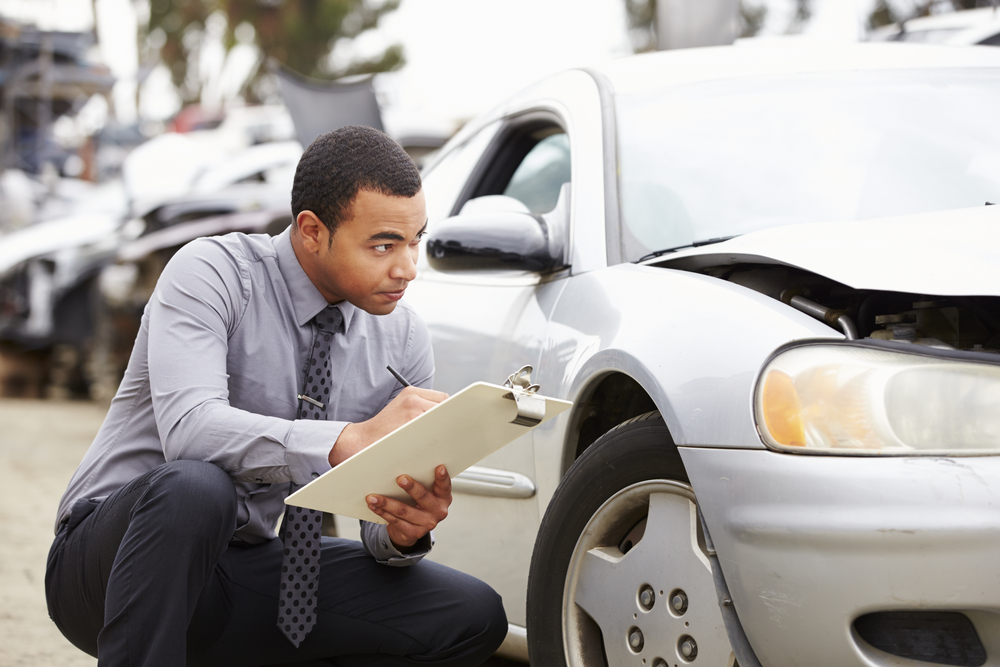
x: 486, y: 324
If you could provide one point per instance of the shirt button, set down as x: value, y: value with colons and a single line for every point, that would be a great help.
x: 385, y: 546
x: 315, y: 475
x: 259, y: 480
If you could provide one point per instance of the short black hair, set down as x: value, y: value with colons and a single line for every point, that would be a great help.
x: 340, y: 163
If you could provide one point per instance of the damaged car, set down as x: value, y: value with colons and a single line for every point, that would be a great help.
x: 768, y: 277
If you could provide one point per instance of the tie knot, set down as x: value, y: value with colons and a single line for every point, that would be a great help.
x: 330, y: 319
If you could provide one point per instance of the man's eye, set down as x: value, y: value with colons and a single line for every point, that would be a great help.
x: 384, y: 247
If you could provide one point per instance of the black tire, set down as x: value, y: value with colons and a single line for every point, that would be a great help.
x: 633, y: 456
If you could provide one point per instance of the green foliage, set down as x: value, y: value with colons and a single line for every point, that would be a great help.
x: 298, y: 33
x: 883, y: 14
x: 169, y: 22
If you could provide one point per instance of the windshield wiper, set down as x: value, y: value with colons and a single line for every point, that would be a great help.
x: 696, y: 244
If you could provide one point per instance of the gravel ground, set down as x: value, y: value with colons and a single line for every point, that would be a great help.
x: 41, y: 443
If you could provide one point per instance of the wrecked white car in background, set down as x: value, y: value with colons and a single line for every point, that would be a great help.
x: 768, y: 279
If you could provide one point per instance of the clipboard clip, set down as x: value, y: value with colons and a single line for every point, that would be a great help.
x: 530, y: 408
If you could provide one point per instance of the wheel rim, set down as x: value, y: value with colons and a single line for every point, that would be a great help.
x: 656, y: 604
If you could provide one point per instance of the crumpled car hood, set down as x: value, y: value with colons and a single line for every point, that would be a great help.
x: 944, y: 253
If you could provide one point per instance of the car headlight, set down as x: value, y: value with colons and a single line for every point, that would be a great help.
x: 866, y: 399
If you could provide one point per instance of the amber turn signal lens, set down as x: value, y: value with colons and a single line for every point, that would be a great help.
x: 783, y: 410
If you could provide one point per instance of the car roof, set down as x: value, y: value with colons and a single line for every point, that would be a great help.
x: 778, y: 57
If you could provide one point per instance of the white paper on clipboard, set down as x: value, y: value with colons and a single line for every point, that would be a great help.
x: 458, y: 432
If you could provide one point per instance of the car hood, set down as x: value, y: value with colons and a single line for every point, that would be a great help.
x: 944, y: 253
x: 51, y: 236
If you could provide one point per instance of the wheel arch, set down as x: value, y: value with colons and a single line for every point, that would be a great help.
x: 606, y: 400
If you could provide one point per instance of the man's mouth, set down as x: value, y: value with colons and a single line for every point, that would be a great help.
x: 396, y: 295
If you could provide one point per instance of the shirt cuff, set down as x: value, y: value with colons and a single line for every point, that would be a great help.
x: 307, y: 450
x: 375, y: 538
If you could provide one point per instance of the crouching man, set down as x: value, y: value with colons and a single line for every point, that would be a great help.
x: 259, y: 365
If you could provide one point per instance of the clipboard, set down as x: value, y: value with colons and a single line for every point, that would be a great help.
x: 457, y: 432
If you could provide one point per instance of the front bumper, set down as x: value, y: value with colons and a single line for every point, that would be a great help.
x: 810, y: 543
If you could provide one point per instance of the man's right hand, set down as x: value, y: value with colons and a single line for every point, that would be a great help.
x: 408, y: 404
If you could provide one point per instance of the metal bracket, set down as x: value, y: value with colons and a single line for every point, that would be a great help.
x: 530, y: 408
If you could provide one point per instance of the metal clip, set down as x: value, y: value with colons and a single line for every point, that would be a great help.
x: 308, y: 399
x: 521, y: 380
x: 530, y: 408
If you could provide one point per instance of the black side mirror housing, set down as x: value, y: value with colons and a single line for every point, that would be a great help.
x: 501, y: 240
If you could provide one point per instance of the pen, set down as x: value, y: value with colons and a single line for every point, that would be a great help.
x: 399, y: 377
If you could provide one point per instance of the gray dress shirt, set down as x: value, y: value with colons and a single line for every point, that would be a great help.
x: 215, y: 371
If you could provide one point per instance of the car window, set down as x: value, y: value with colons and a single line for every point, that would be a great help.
x: 542, y: 172
x: 445, y: 179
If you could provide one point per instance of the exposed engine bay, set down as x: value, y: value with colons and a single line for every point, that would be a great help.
x: 961, y: 323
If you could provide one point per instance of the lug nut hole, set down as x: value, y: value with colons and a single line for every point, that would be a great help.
x: 646, y: 597
x: 677, y: 602
x: 635, y: 640
x: 687, y: 648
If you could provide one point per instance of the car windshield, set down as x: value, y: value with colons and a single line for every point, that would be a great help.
x: 720, y: 159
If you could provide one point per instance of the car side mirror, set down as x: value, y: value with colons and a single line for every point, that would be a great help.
x: 482, y: 239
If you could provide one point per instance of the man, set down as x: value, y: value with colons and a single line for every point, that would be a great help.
x: 261, y: 363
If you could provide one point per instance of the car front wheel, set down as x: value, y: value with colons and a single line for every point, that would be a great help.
x: 620, y: 574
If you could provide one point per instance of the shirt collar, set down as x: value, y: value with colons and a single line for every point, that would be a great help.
x: 307, y: 301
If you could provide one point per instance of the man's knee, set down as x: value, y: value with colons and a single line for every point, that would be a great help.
x: 482, y: 623
x: 196, y: 493
x: 491, y: 617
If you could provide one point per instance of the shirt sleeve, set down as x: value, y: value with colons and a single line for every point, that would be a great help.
x: 198, y: 303
x: 375, y: 538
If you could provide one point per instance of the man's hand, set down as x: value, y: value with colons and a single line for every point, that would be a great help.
x: 409, y: 403
x: 408, y: 524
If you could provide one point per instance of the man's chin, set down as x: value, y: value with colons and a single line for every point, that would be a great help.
x: 373, y: 308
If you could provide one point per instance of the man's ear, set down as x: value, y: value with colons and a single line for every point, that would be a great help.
x: 312, y: 231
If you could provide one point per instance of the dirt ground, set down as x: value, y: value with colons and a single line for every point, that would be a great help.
x: 41, y: 443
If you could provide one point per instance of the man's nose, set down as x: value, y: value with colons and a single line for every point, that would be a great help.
x: 406, y: 267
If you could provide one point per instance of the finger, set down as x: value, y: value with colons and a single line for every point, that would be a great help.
x: 425, y: 500
x: 399, y: 512
x: 442, y: 483
x: 401, y: 533
x: 430, y: 394
x: 402, y: 530
x: 414, y: 404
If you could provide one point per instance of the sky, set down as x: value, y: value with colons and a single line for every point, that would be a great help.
x: 463, y: 56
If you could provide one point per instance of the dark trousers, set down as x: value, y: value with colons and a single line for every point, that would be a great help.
x: 149, y: 577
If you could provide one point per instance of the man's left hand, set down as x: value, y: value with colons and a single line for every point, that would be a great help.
x: 407, y: 524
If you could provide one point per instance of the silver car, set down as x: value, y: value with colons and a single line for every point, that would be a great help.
x: 769, y: 280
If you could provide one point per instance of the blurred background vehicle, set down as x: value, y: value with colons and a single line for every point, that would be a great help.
x: 974, y: 26
x: 87, y: 145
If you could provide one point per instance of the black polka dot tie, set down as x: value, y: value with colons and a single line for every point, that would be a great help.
x: 302, y: 527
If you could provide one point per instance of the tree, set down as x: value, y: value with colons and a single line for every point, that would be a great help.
x: 641, y: 16
x: 298, y: 33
